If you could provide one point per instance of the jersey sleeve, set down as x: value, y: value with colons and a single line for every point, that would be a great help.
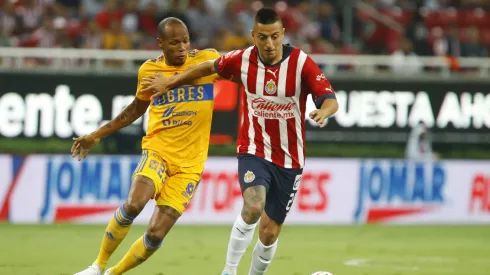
x: 228, y: 65
x: 142, y: 73
x: 211, y: 54
x: 317, y: 84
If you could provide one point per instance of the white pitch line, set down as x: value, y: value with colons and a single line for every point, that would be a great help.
x: 367, y: 263
x: 380, y: 263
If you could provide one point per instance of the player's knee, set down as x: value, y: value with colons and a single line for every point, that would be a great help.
x: 141, y: 192
x: 251, y: 212
x: 134, y: 206
x: 155, y: 235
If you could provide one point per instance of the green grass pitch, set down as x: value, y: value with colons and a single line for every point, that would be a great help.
x: 342, y: 250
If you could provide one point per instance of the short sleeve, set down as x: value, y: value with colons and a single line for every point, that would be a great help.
x: 317, y: 84
x: 142, y: 73
x: 228, y: 65
x: 210, y: 55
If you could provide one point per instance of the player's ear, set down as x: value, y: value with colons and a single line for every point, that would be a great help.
x: 160, y: 42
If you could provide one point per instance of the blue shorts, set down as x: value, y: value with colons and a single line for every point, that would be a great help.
x: 281, y: 183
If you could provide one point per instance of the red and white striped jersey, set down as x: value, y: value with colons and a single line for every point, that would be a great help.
x: 274, y: 102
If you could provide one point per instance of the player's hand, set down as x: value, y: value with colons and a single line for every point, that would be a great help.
x: 83, y: 144
x: 156, y: 84
x: 319, y: 117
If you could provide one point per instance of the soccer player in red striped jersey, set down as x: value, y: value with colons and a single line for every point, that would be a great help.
x: 271, y: 145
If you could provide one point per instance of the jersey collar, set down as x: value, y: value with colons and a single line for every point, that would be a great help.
x: 287, y: 49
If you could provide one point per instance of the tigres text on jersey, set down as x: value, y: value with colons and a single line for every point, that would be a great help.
x: 179, y: 121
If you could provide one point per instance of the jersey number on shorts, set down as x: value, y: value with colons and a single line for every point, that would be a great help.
x: 297, y: 181
x: 159, y: 167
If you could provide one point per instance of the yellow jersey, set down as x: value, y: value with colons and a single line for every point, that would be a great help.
x: 179, y: 122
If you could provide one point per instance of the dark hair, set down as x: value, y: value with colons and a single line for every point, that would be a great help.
x: 267, y: 16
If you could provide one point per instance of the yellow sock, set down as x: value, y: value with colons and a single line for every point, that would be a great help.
x: 139, y: 252
x: 116, y: 231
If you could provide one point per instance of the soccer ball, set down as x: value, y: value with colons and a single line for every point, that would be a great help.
x: 322, y: 273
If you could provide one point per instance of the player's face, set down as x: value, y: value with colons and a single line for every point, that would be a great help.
x: 175, y: 44
x: 268, y: 39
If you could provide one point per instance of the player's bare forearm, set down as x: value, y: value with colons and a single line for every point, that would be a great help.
x: 185, y: 78
x: 329, y: 106
x: 131, y: 113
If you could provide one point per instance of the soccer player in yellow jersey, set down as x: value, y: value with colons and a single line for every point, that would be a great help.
x: 174, y: 149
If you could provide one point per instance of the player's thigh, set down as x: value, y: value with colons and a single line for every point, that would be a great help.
x: 255, y: 180
x: 180, y: 186
x: 253, y: 171
x: 153, y: 167
x: 282, y: 193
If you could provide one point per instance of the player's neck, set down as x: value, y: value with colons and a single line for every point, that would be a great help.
x: 169, y: 63
x: 275, y: 60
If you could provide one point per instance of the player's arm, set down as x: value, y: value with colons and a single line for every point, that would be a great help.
x: 131, y: 113
x: 322, y: 92
x: 224, y: 66
x: 161, y: 84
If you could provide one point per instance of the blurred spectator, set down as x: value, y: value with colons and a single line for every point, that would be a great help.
x: 108, y: 14
x: 68, y: 7
x: 419, y: 144
x: 473, y: 47
x: 92, y: 7
x: 235, y: 39
x: 246, y: 16
x: 29, y: 14
x: 418, y: 33
x: 315, y: 26
x: 229, y: 16
x: 176, y: 10
x: 131, y: 21
x: 437, y: 4
x: 203, y: 20
x: 149, y: 19
x: 130, y: 18
x: 216, y: 6
x: 159, y: 6
x: 320, y: 46
x: 45, y: 36
x: 115, y: 38
x: 91, y: 37
x: 448, y: 44
x: 404, y: 60
x: 4, y: 38
x: 70, y: 4
x: 8, y: 19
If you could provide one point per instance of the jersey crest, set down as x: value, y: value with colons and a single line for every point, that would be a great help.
x: 270, y: 87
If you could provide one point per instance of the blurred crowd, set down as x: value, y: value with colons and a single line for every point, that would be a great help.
x: 401, y: 28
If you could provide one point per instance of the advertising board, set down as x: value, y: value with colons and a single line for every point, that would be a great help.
x: 57, y: 188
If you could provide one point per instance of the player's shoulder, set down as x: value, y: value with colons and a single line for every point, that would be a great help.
x: 204, y: 54
x: 238, y: 53
x: 303, y: 58
x: 290, y: 49
x: 153, y: 61
x: 151, y: 64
